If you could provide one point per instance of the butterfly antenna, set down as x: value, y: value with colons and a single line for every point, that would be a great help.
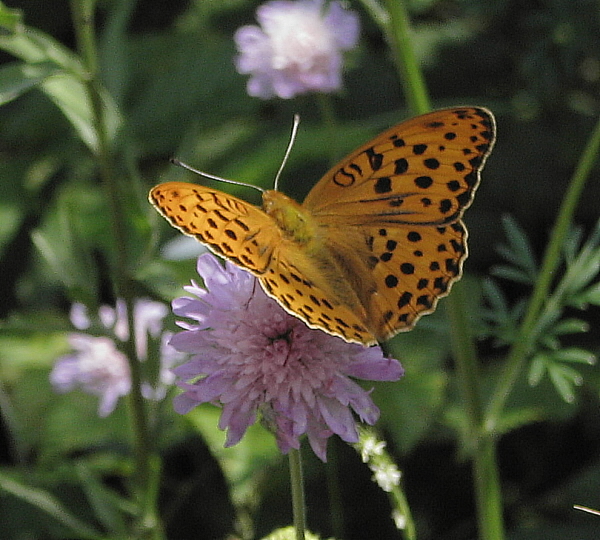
x: 288, y: 150
x: 179, y: 163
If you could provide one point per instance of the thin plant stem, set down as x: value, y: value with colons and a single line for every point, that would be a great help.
x: 468, y: 366
x: 82, y: 13
x: 373, y: 452
x: 411, y: 77
x: 488, y: 490
x: 327, y: 110
x: 527, y: 334
x: 298, y: 503
x: 482, y: 447
x: 334, y: 492
x: 400, y: 503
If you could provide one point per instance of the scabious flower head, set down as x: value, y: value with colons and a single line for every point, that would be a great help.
x: 98, y: 367
x: 297, y: 48
x: 253, y: 358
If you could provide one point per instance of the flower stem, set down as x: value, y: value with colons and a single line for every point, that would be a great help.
x: 336, y: 503
x: 83, y: 21
x: 527, y: 335
x: 411, y: 77
x: 328, y: 116
x: 481, y: 446
x: 297, y: 483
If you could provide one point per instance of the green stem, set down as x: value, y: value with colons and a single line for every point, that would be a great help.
x: 297, y: 483
x: 400, y: 503
x: 481, y: 446
x: 411, y: 77
x: 329, y: 120
x: 488, y: 490
x: 82, y: 12
x: 334, y: 492
x: 467, y: 364
x: 527, y: 335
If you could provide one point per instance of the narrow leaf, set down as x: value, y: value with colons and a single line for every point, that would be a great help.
x: 47, y: 503
x: 17, y: 78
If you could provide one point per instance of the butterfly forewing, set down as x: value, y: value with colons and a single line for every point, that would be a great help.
x: 229, y: 226
x: 424, y: 170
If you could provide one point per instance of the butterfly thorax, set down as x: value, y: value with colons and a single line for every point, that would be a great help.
x: 293, y: 220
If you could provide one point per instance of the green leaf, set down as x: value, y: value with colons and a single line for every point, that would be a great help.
x: 502, y: 320
x: 570, y: 326
x: 515, y: 418
x: 518, y: 251
x: 34, y: 47
x: 549, y: 341
x: 572, y: 244
x: 537, y: 368
x: 564, y: 378
x: 10, y: 19
x: 70, y: 95
x: 591, y: 295
x: 103, y: 501
x: 17, y: 78
x: 574, y: 354
x: 512, y: 274
x: 67, y: 86
x: 46, y: 502
x: 495, y: 297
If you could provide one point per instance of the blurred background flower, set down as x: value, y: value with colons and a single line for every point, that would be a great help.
x: 297, y: 48
x: 98, y: 367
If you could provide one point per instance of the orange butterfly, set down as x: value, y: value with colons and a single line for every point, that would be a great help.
x: 377, y: 241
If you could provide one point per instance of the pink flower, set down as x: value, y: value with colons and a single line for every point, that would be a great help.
x: 252, y: 358
x: 297, y: 48
x: 98, y: 367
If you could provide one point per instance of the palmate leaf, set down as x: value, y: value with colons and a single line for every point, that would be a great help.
x: 518, y: 252
x: 563, y: 377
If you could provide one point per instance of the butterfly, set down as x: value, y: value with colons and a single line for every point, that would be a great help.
x: 376, y: 242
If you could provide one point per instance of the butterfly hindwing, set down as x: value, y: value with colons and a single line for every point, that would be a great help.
x: 310, y: 294
x: 415, y: 268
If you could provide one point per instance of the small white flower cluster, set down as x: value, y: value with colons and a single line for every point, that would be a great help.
x: 386, y: 475
x: 385, y: 472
